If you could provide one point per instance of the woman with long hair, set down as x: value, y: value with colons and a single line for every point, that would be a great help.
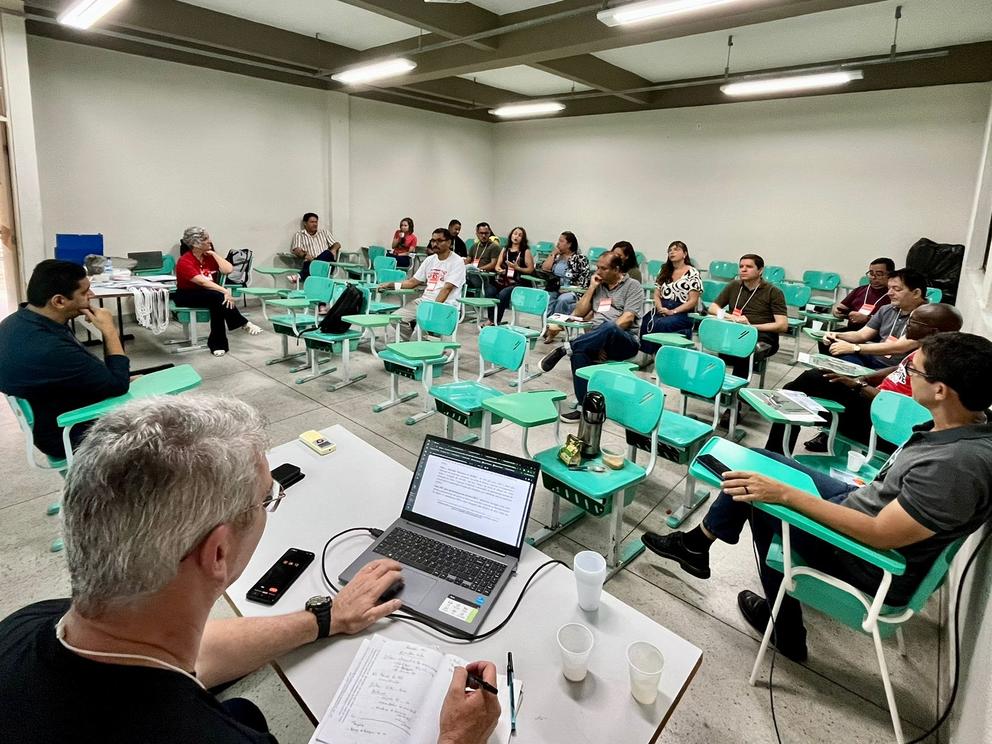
x: 515, y: 259
x: 626, y: 251
x: 572, y: 270
x: 403, y: 243
x: 676, y: 294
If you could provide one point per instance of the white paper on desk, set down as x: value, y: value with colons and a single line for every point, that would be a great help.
x: 802, y: 399
x: 393, y: 693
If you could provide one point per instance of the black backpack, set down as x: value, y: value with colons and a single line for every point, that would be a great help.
x: 349, y: 302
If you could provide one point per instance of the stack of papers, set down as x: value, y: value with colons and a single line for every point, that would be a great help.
x: 797, y: 407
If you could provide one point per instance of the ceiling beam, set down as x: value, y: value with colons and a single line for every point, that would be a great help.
x: 467, y: 92
x: 599, y: 74
x: 447, y: 21
x: 584, y: 34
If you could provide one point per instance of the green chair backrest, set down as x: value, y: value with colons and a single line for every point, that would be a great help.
x: 502, y: 347
x: 934, y: 294
x: 383, y: 262
x: 390, y: 275
x: 632, y: 402
x: 712, y: 289
x: 724, y: 337
x: 796, y: 295
x: 503, y: 241
x: 690, y: 371
x: 774, y: 274
x: 595, y: 252
x: 821, y: 281
x: 437, y: 318
x: 863, y: 281
x: 725, y: 270
x: 320, y: 268
x: 641, y: 258
x: 543, y: 246
x: 470, y: 243
x: 529, y: 301
x: 168, y: 264
x: 375, y: 251
x: 339, y: 287
x: 935, y: 576
x: 654, y: 268
x: 893, y: 416
x: 318, y: 288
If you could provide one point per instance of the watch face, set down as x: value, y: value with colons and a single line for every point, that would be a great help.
x: 316, y: 602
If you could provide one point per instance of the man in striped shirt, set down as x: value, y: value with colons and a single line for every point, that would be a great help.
x: 312, y: 243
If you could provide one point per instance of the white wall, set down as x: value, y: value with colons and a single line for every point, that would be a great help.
x: 824, y: 182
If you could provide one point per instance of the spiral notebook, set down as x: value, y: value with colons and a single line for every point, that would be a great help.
x: 393, y: 693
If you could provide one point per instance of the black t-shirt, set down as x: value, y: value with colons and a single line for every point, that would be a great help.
x: 50, y: 694
x: 459, y: 247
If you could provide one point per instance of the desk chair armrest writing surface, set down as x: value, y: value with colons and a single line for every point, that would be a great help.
x: 165, y: 382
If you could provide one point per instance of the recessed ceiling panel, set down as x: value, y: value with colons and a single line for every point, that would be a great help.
x: 335, y: 21
x: 837, y: 34
x: 525, y: 80
x: 502, y: 7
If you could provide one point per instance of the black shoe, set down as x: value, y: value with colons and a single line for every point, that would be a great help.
x: 571, y: 417
x: 818, y: 443
x: 755, y: 610
x: 672, y: 546
x: 551, y: 359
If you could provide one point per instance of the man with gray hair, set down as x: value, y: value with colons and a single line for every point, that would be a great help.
x: 164, y: 506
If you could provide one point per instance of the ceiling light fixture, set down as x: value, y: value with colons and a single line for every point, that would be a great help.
x: 654, y: 10
x: 87, y: 12
x: 374, y: 71
x: 790, y: 83
x: 518, y: 110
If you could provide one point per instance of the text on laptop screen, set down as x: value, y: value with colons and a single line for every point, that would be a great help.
x: 472, y: 489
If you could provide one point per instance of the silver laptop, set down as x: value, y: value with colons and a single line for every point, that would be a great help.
x: 460, y: 534
x: 145, y: 260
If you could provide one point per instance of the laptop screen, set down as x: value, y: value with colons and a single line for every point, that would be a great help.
x: 477, y: 495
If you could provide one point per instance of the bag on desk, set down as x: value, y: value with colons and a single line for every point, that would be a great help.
x: 349, y: 302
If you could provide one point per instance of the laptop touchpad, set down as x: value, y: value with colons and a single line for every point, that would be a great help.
x: 415, y: 587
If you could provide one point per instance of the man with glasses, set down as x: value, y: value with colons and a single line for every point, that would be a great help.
x: 164, y: 506
x: 442, y: 274
x: 857, y: 393
x: 864, y: 301
x: 936, y: 489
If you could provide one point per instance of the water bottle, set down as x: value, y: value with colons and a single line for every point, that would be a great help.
x: 108, y: 268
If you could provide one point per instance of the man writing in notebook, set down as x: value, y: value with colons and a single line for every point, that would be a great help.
x: 164, y: 506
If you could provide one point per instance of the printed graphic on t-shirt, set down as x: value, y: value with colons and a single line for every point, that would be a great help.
x: 435, y: 278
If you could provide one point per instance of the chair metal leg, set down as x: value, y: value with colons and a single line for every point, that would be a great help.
x: 767, y: 637
x: 887, y: 684
x: 732, y: 433
x: 900, y: 641
x: 314, y: 366
x: 620, y: 554
x: 394, y: 395
x: 346, y: 378
x: 693, y: 500
x: 429, y: 409
x: 795, y: 349
x: 286, y: 356
x: 486, y: 435
x: 558, y: 522
x: 192, y: 340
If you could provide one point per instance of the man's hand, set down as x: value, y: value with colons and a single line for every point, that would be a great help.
x: 842, y: 347
x: 469, y: 716
x: 858, y: 318
x: 102, y: 319
x: 298, y: 252
x: 848, y: 382
x: 744, y: 486
x: 595, y: 281
x: 357, y: 606
x: 829, y: 337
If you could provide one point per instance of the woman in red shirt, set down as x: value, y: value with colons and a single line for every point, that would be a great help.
x: 196, y: 287
x: 404, y: 241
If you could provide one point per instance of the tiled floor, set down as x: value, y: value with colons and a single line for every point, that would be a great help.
x: 836, y: 696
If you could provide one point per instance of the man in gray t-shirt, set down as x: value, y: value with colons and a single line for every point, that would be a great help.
x: 936, y: 489
x: 613, y: 304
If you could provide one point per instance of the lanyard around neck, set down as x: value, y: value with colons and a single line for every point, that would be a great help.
x: 751, y: 297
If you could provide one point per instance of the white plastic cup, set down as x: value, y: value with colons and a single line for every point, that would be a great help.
x: 590, y: 573
x: 575, y: 642
x: 721, y: 313
x: 645, y: 663
x: 855, y: 461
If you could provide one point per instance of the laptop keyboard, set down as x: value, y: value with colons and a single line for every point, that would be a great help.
x: 458, y: 566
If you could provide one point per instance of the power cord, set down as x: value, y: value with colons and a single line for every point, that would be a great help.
x: 375, y: 533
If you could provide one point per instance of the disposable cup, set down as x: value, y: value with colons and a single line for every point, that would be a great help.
x: 575, y: 642
x: 645, y: 663
x: 855, y: 461
x: 590, y: 573
x: 614, y: 456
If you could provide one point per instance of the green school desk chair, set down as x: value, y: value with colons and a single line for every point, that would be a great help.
x: 694, y: 374
x: 723, y: 270
x: 532, y: 302
x: 636, y: 405
x: 320, y: 268
x: 390, y: 275
x: 774, y: 274
x: 595, y: 252
x: 796, y: 298
x: 188, y: 317
x: 318, y: 342
x: 422, y: 360
x: 827, y: 283
x: 857, y: 610
x: 461, y: 401
x: 711, y: 290
x: 733, y: 339
x: 302, y: 313
x: 542, y: 249
x: 24, y: 416
x: 654, y: 268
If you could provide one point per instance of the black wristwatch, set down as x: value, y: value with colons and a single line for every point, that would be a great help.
x: 321, y: 609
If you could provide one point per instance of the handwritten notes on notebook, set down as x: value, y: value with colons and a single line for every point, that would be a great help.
x: 393, y: 693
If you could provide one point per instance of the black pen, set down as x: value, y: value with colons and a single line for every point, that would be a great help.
x: 480, y: 682
x: 509, y: 681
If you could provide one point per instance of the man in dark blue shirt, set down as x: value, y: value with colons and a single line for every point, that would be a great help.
x: 42, y: 362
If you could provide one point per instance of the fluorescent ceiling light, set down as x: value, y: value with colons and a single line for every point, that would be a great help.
x: 653, y: 10
x: 517, y: 110
x: 374, y: 71
x: 791, y: 83
x: 85, y: 13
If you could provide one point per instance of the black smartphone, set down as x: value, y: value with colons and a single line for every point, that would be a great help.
x: 275, y: 582
x: 713, y: 465
x: 287, y: 474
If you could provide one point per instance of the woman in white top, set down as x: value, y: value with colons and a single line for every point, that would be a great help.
x: 311, y: 243
x: 676, y: 294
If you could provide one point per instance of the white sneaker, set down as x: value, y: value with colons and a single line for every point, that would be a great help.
x: 219, y: 352
x: 252, y: 329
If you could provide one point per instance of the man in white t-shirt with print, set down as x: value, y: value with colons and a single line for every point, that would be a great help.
x: 442, y: 275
